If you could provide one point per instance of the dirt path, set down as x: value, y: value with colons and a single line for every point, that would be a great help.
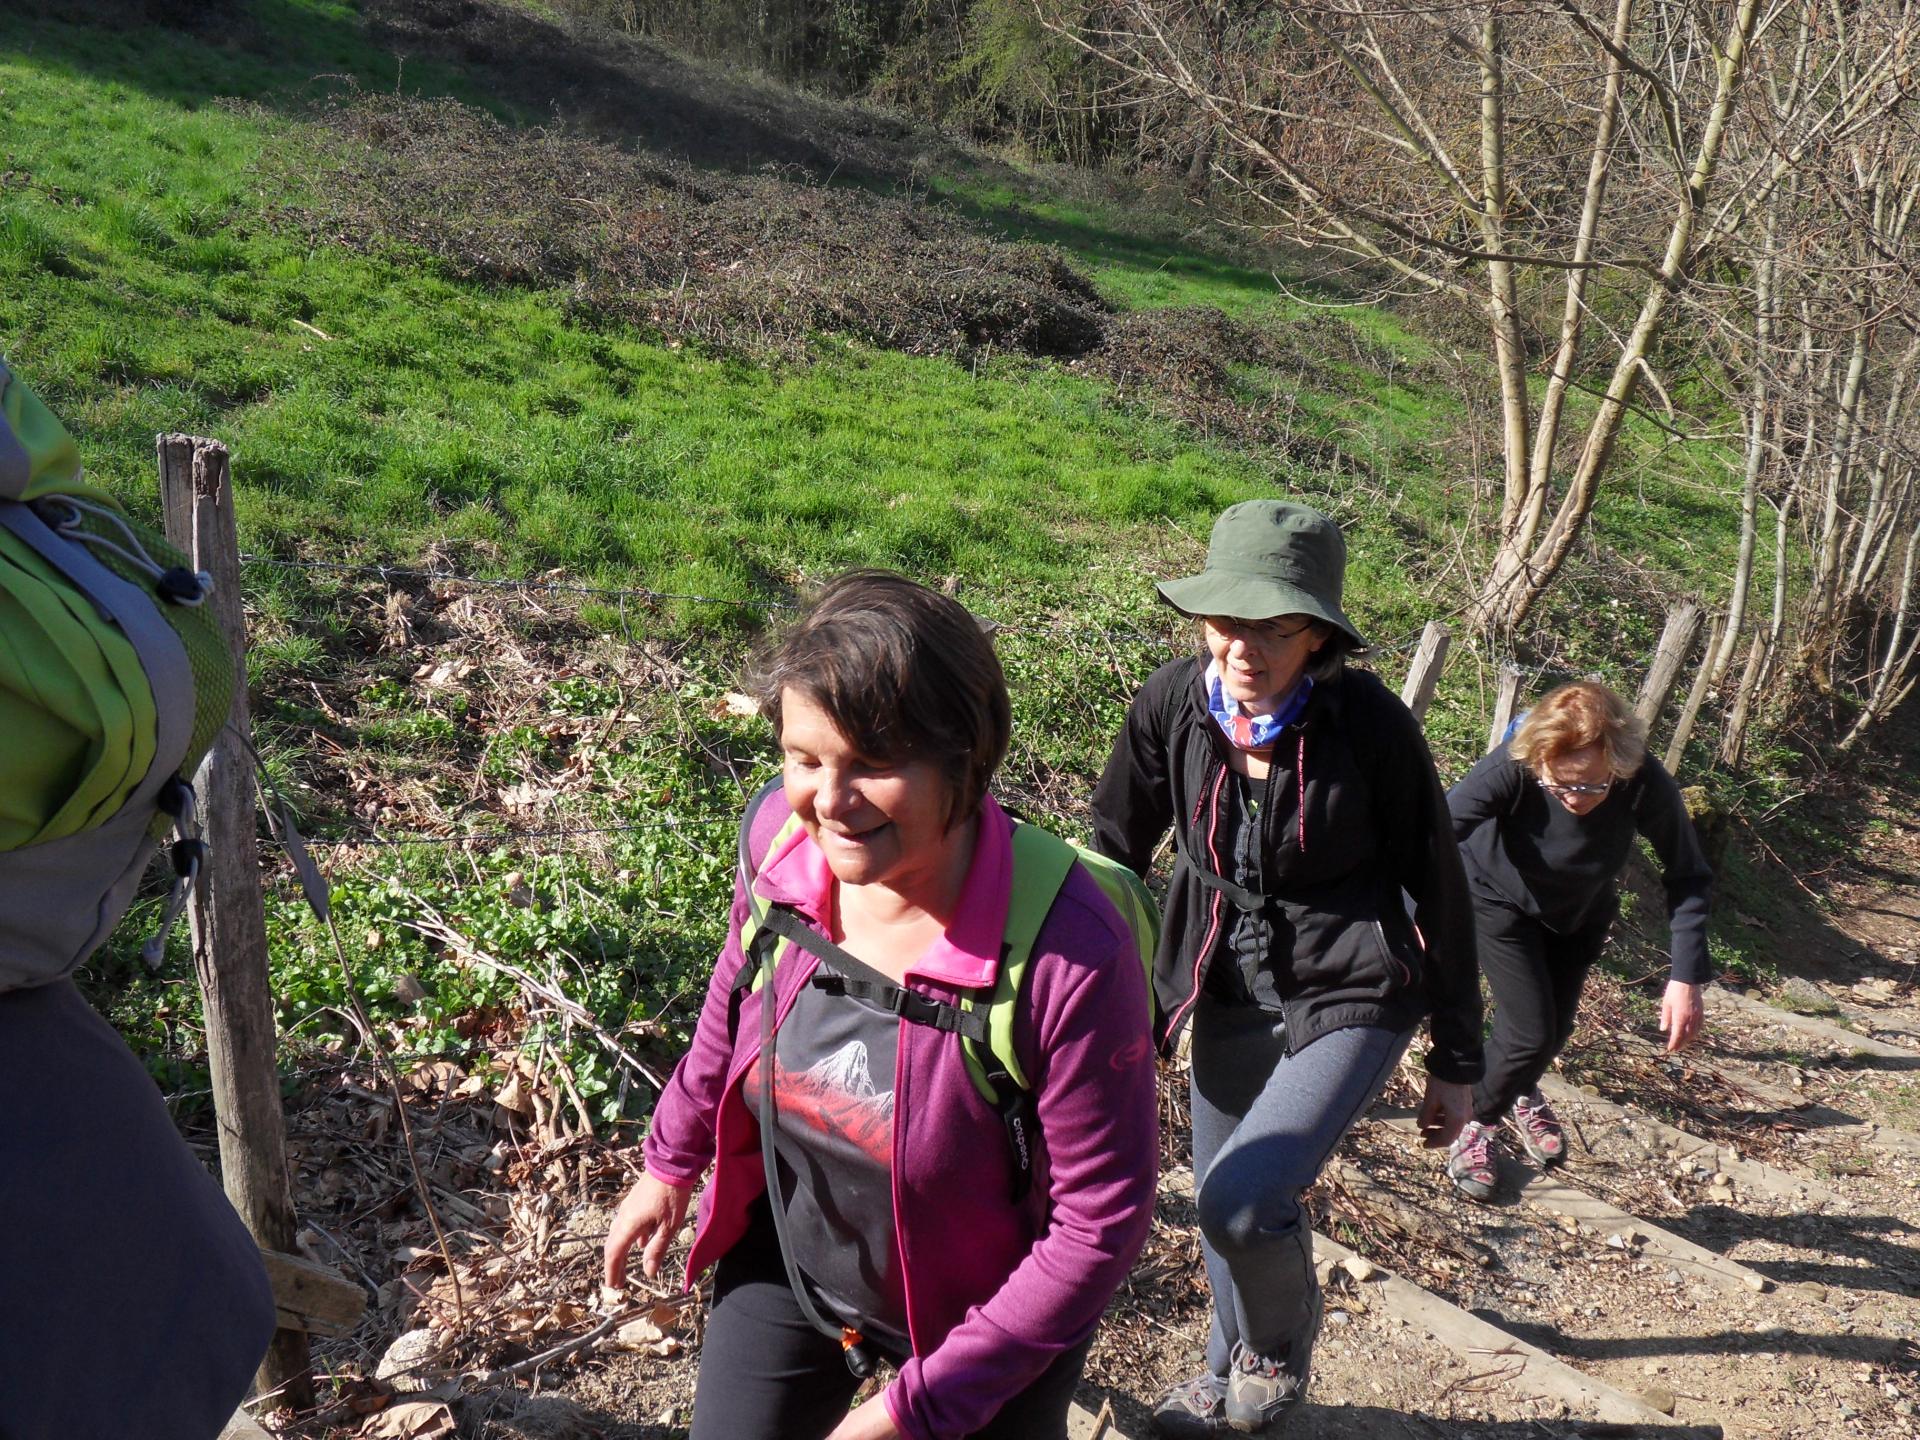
x: 1735, y: 1240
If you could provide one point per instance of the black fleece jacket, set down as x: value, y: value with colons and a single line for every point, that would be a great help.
x: 1525, y: 848
x: 1374, y: 824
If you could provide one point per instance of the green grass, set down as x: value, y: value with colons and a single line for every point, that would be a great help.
x: 378, y: 410
x: 445, y: 410
x: 1139, y: 264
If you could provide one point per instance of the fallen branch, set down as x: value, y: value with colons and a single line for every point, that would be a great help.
x: 435, y: 926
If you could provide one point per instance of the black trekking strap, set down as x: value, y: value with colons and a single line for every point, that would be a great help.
x: 853, y: 1345
x: 1251, y: 901
x: 856, y: 978
x: 861, y: 1361
x: 1013, y: 1103
x: 849, y: 975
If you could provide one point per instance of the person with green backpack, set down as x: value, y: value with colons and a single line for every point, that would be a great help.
x: 132, y: 1299
x: 923, y: 1077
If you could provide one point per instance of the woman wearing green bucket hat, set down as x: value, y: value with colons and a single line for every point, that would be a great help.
x: 1318, y: 911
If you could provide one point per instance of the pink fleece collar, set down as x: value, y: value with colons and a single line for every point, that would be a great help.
x: 968, y: 954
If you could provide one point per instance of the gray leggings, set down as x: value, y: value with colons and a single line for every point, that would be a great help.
x: 1264, y: 1122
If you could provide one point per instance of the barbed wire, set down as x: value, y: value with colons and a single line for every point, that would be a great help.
x: 397, y: 839
x: 389, y: 573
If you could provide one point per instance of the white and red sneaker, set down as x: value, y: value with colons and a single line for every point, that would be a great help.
x: 1470, y: 1161
x: 1539, y: 1127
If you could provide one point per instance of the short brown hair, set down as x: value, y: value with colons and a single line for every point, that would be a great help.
x: 1575, y: 716
x: 904, y: 672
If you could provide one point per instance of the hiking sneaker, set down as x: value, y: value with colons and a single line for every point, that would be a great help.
x: 1193, y: 1409
x: 1262, y: 1389
x: 1539, y: 1128
x: 1470, y: 1161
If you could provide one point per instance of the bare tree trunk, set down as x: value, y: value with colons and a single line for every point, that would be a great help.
x: 1734, y: 738
x: 1823, y: 599
x: 1755, y: 460
x: 1889, y: 683
x: 1503, y: 296
x: 1880, y: 519
x: 1513, y: 602
x: 1573, y: 315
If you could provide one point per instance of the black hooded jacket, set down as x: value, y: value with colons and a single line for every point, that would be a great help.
x: 1345, y: 950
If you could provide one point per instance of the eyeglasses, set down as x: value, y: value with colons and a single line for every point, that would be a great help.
x: 1266, y: 632
x: 1567, y: 792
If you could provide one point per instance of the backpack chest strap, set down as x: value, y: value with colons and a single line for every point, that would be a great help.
x: 856, y: 978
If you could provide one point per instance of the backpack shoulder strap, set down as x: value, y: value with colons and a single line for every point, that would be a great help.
x: 1041, y: 863
x: 754, y: 932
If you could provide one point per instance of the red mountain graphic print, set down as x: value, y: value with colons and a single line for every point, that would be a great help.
x: 834, y: 1098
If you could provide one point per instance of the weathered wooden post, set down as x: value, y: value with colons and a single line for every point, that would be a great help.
x: 1505, y: 702
x: 1735, y: 738
x: 1703, y: 677
x: 228, y: 918
x: 1424, y: 673
x: 1676, y: 643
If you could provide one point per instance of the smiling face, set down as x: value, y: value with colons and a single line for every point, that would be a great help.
x: 1579, y: 779
x: 877, y: 822
x: 1261, y: 660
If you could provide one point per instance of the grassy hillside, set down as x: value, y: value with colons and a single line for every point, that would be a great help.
x: 210, y: 230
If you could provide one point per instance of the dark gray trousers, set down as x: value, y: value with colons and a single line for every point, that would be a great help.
x: 132, y: 1300
x: 1264, y: 1122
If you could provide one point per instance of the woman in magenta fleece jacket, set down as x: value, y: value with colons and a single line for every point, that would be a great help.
x: 895, y: 1178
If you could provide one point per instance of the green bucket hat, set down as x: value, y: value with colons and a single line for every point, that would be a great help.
x: 1268, y: 558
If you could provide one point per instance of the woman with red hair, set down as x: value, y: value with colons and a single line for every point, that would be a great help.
x: 1545, y: 824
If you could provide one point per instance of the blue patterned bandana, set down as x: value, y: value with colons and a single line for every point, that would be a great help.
x: 1243, y: 729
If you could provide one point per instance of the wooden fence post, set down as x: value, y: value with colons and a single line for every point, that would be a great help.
x: 228, y: 918
x: 1676, y: 643
x: 1703, y: 677
x: 1735, y: 737
x: 1424, y: 673
x: 1505, y: 702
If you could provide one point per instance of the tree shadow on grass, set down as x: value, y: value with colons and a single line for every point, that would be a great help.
x: 526, y: 69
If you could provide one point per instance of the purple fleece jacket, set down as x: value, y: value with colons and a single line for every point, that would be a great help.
x: 995, y: 1291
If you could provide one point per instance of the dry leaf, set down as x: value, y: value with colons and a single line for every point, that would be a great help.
x: 515, y: 1095
x: 412, y: 1420
x: 643, y: 1337
x: 1360, y: 1268
x: 526, y: 796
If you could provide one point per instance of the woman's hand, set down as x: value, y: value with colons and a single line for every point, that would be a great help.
x: 1443, y: 1110
x: 868, y: 1421
x: 649, y: 1216
x: 1681, y: 1014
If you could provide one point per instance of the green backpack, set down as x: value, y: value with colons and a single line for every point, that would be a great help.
x: 1042, y: 861
x: 114, y: 680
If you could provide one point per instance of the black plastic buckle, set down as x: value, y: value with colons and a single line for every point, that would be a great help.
x: 180, y: 586
x: 920, y: 1010
x: 174, y: 796
x: 187, y: 857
